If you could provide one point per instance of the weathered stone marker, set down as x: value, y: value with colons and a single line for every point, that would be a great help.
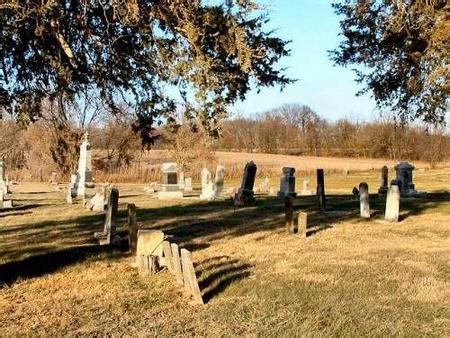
x: 219, y: 181
x: 190, y: 279
x: 287, y: 183
x: 84, y: 173
x: 245, y: 194
x: 188, y: 184
x: 404, y: 177
x: 289, y: 214
x: 178, y: 272
x: 109, y: 229
x: 364, y: 205
x: 167, y: 251
x: 302, y: 224
x: 132, y: 228
x: 392, y: 204
x: 320, y: 192
x: 207, y: 185
x: 149, y: 250
x: 3, y: 181
x: 384, y: 181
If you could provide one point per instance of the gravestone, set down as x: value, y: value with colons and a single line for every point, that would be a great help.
x: 306, y: 190
x: 99, y: 200
x: 109, y: 227
x: 264, y: 187
x: 364, y: 200
x: 181, y: 181
x: 69, y: 195
x: 170, y: 188
x: 218, y: 181
x: 392, y: 204
x: 287, y: 183
x: 84, y: 174
x: 207, y: 185
x: 302, y: 224
x: 320, y: 192
x: 404, y: 177
x: 188, y: 184
x: 3, y: 182
x: 289, y: 214
x: 384, y: 181
x: 245, y: 194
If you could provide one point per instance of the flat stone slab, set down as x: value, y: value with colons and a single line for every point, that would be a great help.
x: 149, y: 242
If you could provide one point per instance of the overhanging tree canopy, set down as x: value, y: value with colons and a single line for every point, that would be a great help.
x: 403, y: 47
x: 129, y: 50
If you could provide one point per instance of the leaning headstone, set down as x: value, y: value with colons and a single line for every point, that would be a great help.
x: 245, y: 194
x: 392, y: 204
x: 84, y: 174
x: 287, y: 183
x: 218, y: 181
x: 109, y: 227
x: 364, y: 200
x: 321, y: 189
x: 384, y: 181
x: 207, y: 185
x: 190, y: 279
x: 170, y: 188
x: 98, y: 201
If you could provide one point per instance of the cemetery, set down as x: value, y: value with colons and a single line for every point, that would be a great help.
x: 198, y: 255
x: 224, y: 168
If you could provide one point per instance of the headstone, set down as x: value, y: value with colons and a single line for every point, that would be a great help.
x: 181, y: 182
x: 109, y: 227
x: 321, y: 190
x: 245, y: 194
x: 392, y: 204
x: 149, y: 243
x: 287, y: 183
x: 207, y: 185
x: 84, y: 174
x: 404, y: 177
x: 302, y: 224
x: 355, y: 192
x: 98, y: 201
x: 190, y: 279
x: 219, y: 181
x: 132, y: 228
x: 170, y: 188
x: 177, y: 263
x: 289, y: 214
x: 188, y: 184
x: 264, y: 187
x: 54, y: 178
x: 306, y: 190
x: 3, y: 182
x: 69, y: 197
x: 384, y: 181
x: 364, y: 200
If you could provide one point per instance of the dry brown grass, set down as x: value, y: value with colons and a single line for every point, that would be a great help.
x: 350, y: 278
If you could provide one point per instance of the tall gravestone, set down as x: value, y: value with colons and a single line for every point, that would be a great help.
x: 320, y: 191
x: 3, y: 181
x: 207, y: 185
x: 364, y: 200
x: 84, y: 173
x: 245, y: 194
x: 404, y: 177
x: 219, y: 181
x: 392, y: 204
x: 384, y: 181
x: 287, y: 183
x: 109, y: 226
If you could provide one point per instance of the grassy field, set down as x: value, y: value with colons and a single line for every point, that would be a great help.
x: 348, y: 277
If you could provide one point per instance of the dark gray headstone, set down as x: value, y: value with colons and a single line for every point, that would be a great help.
x: 384, y: 181
x: 320, y: 192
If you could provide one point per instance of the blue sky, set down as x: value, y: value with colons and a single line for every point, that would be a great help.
x: 329, y: 90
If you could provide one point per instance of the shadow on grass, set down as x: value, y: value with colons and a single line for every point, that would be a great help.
x: 40, y: 264
x: 194, y: 226
x: 218, y: 273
